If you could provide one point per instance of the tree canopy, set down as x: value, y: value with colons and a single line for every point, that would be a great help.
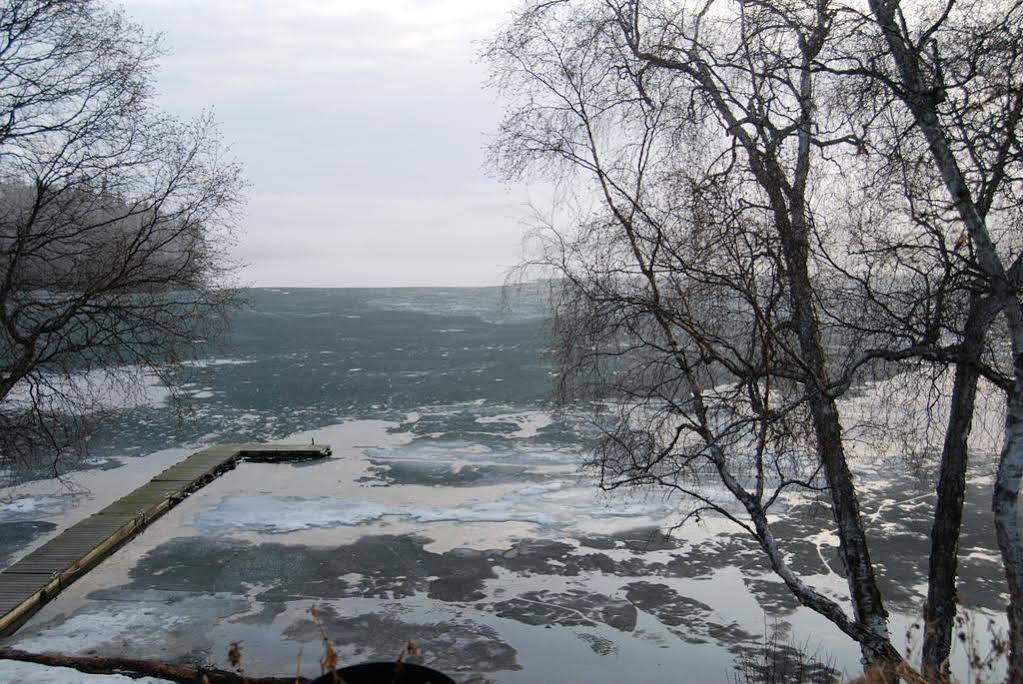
x: 114, y: 223
x: 777, y: 203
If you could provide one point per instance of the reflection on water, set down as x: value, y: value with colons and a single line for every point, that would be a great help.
x: 453, y: 512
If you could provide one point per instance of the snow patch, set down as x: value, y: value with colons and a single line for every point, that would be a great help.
x: 14, y: 671
x: 277, y: 515
x: 27, y: 506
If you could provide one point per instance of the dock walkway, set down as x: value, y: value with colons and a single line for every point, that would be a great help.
x: 27, y: 585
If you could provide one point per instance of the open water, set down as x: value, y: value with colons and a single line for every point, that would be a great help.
x: 454, y: 512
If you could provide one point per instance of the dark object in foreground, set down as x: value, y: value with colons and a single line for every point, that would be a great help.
x: 387, y: 672
x: 365, y: 673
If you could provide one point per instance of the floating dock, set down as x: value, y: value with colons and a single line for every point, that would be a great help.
x: 27, y: 585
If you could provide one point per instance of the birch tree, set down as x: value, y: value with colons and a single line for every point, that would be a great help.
x: 743, y: 261
x: 955, y: 67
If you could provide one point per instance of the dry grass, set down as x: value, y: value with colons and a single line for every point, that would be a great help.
x: 778, y: 660
x: 329, y: 661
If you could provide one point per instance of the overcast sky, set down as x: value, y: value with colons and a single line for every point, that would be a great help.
x: 361, y: 126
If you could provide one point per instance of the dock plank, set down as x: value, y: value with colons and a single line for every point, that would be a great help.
x: 32, y: 581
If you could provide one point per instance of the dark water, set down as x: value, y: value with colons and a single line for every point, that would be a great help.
x: 454, y: 512
x: 302, y: 358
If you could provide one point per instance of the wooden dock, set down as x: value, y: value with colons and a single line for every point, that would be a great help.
x: 27, y: 585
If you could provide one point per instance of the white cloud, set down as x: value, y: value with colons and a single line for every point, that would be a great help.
x: 361, y: 126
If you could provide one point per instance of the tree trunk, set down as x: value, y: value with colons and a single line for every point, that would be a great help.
x: 868, y: 606
x: 921, y: 99
x: 940, y: 609
x: 1005, y: 505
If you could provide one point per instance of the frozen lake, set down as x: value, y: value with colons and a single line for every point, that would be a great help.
x: 453, y: 512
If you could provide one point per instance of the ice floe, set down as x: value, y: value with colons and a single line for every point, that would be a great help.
x: 29, y: 506
x: 277, y: 514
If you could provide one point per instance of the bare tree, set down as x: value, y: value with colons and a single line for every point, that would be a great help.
x: 699, y: 269
x: 946, y: 311
x: 953, y: 69
x: 747, y: 259
x: 113, y: 223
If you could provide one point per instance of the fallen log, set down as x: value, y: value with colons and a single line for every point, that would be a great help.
x: 133, y: 667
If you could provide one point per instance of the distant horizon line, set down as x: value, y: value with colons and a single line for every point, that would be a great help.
x: 389, y: 287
